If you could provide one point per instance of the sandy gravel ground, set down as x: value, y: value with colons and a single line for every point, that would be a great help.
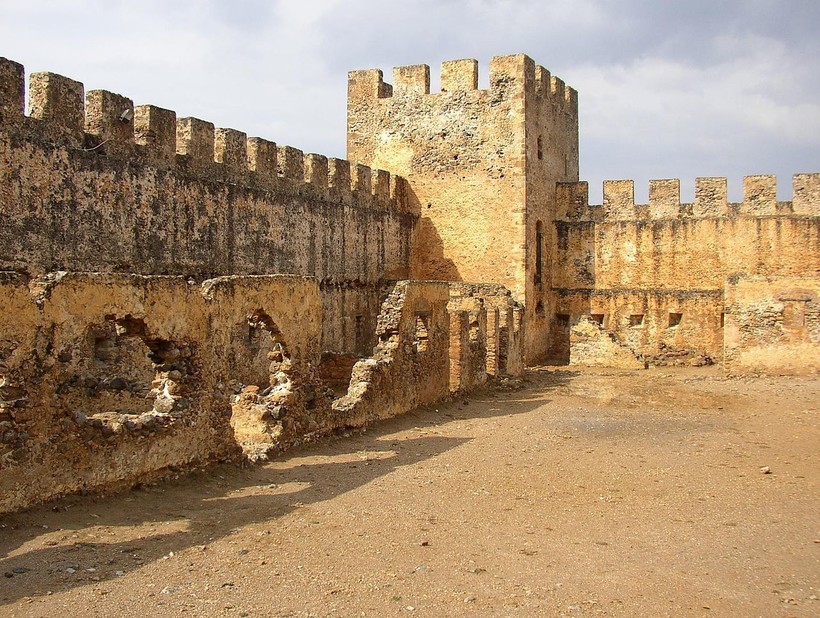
x: 593, y: 493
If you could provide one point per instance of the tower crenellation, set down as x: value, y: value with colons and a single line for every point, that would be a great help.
x: 195, y: 140
x: 411, y: 80
x: 460, y: 76
x: 59, y: 102
x: 231, y: 150
x: 109, y: 117
x: 806, y: 194
x: 12, y: 92
x: 155, y: 129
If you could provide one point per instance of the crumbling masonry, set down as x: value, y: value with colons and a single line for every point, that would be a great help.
x: 174, y: 293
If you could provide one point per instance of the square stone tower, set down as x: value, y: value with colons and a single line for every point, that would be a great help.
x: 481, y: 167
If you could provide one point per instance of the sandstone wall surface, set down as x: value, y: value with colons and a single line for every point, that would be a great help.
x: 462, y: 156
x: 644, y: 321
x: 410, y: 364
x: 551, y: 157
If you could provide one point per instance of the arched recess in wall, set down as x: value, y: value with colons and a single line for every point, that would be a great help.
x: 268, y: 357
x: 119, y: 375
x: 263, y: 386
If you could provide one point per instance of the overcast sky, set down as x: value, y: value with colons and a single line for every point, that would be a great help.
x: 667, y: 89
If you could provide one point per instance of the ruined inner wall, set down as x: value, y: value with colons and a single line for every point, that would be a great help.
x: 654, y: 274
x: 772, y: 325
x: 471, y: 158
x: 109, y: 379
x: 92, y: 183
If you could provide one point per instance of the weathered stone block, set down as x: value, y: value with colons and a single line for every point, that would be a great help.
x: 12, y: 92
x: 362, y: 184
x: 759, y: 195
x: 339, y: 182
x: 262, y: 160
x: 710, y: 197
x: 195, y: 138
x: 512, y: 74
x: 316, y: 174
x: 59, y: 102
x: 413, y: 79
x: 664, y: 199
x: 156, y: 129
x: 459, y: 75
x: 619, y: 199
x: 381, y: 187
x: 110, y: 117
x: 290, y: 164
x: 806, y: 194
x: 231, y: 149
x: 367, y: 84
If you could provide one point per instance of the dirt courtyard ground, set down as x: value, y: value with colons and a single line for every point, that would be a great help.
x: 585, y: 493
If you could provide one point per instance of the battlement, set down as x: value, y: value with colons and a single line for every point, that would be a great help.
x: 508, y: 75
x: 759, y: 199
x: 103, y: 123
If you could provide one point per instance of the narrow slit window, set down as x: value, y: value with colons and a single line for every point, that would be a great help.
x: 421, y: 342
x: 358, y: 334
x: 539, y: 250
x: 475, y: 330
x: 562, y: 319
x: 794, y: 314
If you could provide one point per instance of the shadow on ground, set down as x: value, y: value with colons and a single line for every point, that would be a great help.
x: 213, y: 503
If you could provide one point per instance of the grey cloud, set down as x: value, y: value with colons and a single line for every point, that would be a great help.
x: 666, y: 88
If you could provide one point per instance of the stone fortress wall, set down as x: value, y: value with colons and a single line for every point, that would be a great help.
x: 93, y: 183
x: 173, y: 294
x: 493, y: 174
x: 655, y: 275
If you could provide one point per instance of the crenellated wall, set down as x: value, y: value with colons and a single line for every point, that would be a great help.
x: 668, y: 261
x: 141, y: 327
x: 89, y: 182
x: 759, y: 200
